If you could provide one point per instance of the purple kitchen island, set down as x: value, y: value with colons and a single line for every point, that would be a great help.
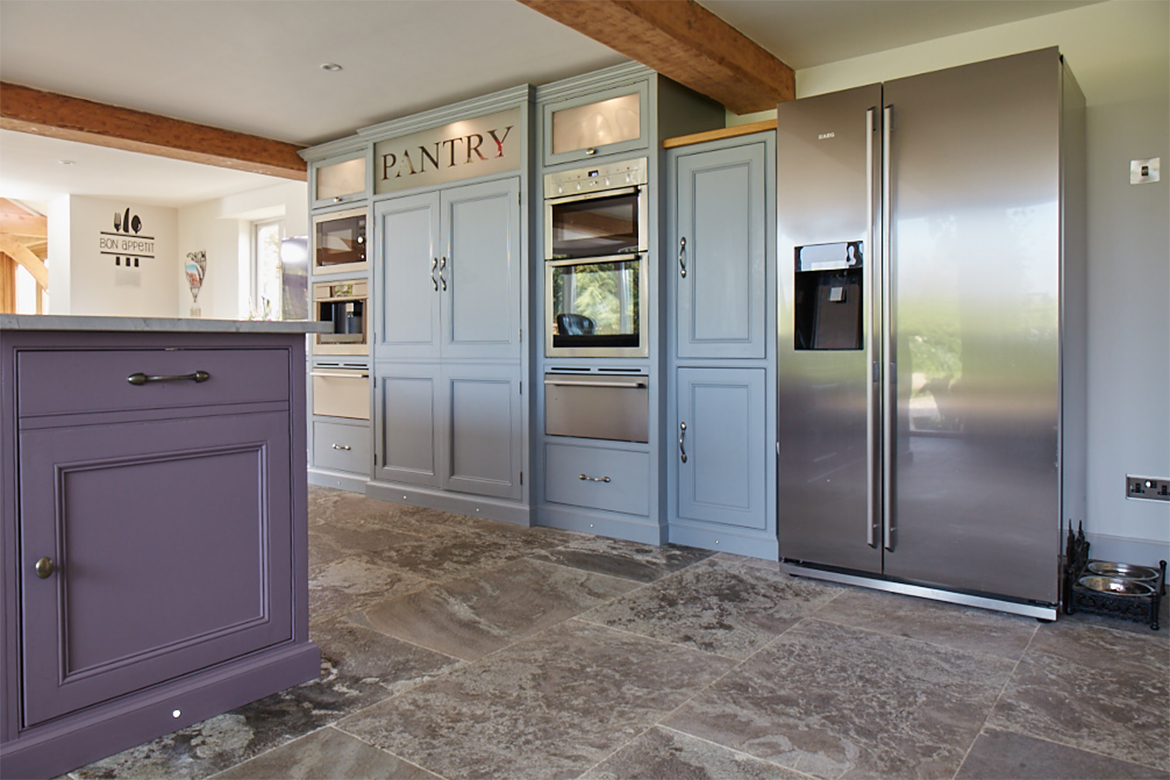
x: 154, y: 533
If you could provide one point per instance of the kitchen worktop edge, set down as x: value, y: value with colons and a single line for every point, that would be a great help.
x: 61, y: 322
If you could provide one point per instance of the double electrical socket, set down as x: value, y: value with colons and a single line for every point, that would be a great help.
x: 1152, y: 488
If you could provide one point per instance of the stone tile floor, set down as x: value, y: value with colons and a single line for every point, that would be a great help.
x: 455, y: 647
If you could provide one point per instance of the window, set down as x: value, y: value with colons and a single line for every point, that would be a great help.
x: 267, y: 271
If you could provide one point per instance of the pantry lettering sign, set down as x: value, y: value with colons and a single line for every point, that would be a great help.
x: 460, y: 150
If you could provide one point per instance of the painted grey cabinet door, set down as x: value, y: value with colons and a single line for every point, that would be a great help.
x: 479, y: 271
x: 720, y: 265
x: 183, y: 580
x: 720, y: 431
x: 406, y: 277
x: 407, y: 408
x: 483, y: 429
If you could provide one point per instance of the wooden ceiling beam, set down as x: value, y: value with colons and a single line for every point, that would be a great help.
x: 685, y: 42
x: 29, y: 110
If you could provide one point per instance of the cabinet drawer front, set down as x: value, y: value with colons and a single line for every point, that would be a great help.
x: 341, y: 447
x: 70, y: 382
x: 577, y: 475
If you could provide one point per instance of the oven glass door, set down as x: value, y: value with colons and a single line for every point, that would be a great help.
x: 340, y: 242
x: 596, y: 225
x: 594, y: 308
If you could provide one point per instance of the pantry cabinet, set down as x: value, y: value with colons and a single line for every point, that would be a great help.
x: 719, y: 254
x: 451, y: 427
x: 722, y: 446
x: 721, y: 454
x: 448, y: 273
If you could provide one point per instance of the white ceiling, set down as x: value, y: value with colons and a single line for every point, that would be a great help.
x: 253, y: 66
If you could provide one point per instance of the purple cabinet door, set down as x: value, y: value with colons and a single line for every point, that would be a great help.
x: 171, y: 552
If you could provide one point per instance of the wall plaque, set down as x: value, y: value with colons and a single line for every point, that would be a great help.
x: 460, y: 150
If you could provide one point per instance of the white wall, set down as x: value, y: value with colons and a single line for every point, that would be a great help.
x: 1120, y: 54
x: 222, y: 228
x: 83, y: 280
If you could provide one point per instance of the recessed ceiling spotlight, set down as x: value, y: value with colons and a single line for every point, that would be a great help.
x: 66, y: 162
x: 332, y: 67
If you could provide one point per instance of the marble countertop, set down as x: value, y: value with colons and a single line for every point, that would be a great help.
x: 61, y: 322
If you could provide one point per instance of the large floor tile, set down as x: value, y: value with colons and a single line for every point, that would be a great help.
x: 837, y: 702
x: 328, y: 504
x: 551, y: 706
x: 339, y: 538
x: 1104, y: 646
x: 631, y: 560
x: 448, y: 555
x: 354, y: 582
x: 472, y: 616
x: 718, y: 606
x: 964, y: 628
x: 358, y: 668
x: 999, y: 755
x: 327, y: 753
x: 1123, y: 712
x: 662, y: 754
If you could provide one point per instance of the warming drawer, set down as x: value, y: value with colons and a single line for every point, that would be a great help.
x: 596, y: 406
x: 341, y: 392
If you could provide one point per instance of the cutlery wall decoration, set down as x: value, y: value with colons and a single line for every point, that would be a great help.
x: 126, y: 244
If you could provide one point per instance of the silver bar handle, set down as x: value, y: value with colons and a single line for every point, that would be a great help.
x: 342, y: 447
x: 434, y: 265
x: 442, y: 268
x: 868, y: 319
x: 340, y: 374
x: 682, y: 437
x: 890, y: 401
x: 631, y: 385
x: 141, y: 379
x: 682, y: 259
x: 593, y: 479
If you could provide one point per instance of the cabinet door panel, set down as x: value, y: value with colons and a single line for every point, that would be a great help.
x: 406, y: 417
x: 481, y: 305
x: 483, y: 433
x: 721, y: 215
x: 723, y: 479
x: 181, y: 581
x: 408, y: 294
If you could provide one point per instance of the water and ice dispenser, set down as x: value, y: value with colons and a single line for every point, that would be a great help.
x: 829, y: 296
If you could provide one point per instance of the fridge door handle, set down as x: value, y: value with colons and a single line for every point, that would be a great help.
x: 890, y: 399
x: 868, y: 318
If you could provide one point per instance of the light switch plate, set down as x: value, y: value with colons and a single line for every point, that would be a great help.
x: 1145, y: 171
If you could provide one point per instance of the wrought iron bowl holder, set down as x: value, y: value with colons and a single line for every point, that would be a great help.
x: 1127, y: 606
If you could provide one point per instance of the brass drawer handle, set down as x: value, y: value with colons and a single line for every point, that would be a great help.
x: 141, y: 379
x: 342, y: 447
x: 44, y: 568
x: 593, y: 479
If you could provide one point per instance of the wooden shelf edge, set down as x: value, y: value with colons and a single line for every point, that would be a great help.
x: 715, y: 135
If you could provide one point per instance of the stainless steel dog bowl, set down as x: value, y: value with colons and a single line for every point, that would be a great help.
x: 1126, y: 571
x: 1117, y: 586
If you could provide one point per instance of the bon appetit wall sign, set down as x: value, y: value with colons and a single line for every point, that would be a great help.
x: 460, y: 150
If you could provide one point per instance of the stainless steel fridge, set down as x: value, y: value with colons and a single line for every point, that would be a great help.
x: 931, y: 327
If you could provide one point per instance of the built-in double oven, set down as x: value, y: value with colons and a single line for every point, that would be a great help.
x: 596, y: 243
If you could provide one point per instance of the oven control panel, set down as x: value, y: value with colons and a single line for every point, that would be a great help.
x: 605, y: 176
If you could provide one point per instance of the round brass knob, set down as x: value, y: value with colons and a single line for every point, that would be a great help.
x: 44, y: 568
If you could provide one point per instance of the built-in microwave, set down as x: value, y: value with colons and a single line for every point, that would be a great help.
x: 339, y: 241
x: 596, y: 212
x: 596, y: 307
